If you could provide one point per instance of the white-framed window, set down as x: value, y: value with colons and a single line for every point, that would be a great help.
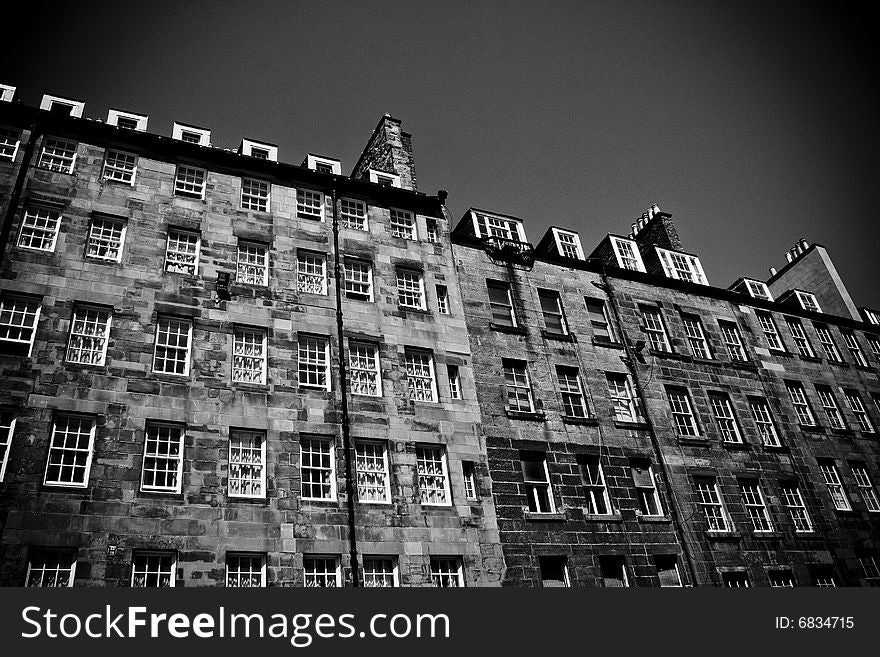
x: 323, y: 164
x: 735, y: 579
x: 89, y: 333
x: 598, y: 503
x: 829, y: 405
x: 834, y: 486
x: 321, y: 572
x: 874, y: 345
x: 421, y: 381
x: 252, y: 263
x: 318, y: 468
x: 801, y: 341
x: 733, y: 340
x: 681, y: 266
x: 613, y: 570
x: 173, y: 344
x: 725, y: 419
x: 364, y: 369
x: 797, y: 509
x: 824, y: 580
x: 668, y: 574
x: 855, y: 349
x: 764, y: 422
x: 696, y: 336
x: 446, y: 572
x: 755, y: 506
x: 433, y: 475
x: 871, y: 316
x: 432, y: 233
x: 442, y: 300
x: 245, y: 570
x: 71, y: 449
x: 120, y: 167
x: 126, y: 123
x: 623, y: 398
x: 854, y: 401
x: 403, y: 224
x: 58, y: 155
x: 452, y: 374
x: 536, y: 479
x: 18, y: 321
x: 469, y: 474
x: 828, y: 344
x: 259, y: 150
x: 654, y: 329
x: 384, y: 178
x: 153, y: 569
x: 600, y: 320
x: 9, y: 142
x: 501, y: 303
x: 551, y: 309
x: 572, y: 389
x: 866, y: 487
x: 554, y: 571
x: 802, y: 408
x: 646, y: 488
x: 771, y: 333
x: 311, y: 272
x: 371, y: 464
x: 353, y: 214
x: 249, y: 355
x: 758, y: 290
x: 519, y: 389
x: 380, y: 572
x: 50, y: 567
x: 314, y: 362
x: 182, y: 252
x: 39, y: 228
x: 682, y: 412
x: 808, y: 301
x: 357, y: 279
x: 127, y: 120
x: 247, y: 463
x: 162, y: 470
x: 507, y: 228
x: 7, y: 430
x: 63, y: 106
x: 709, y: 500
x: 190, y: 182
x: 309, y: 205
x: 568, y: 244
x: 870, y: 569
x: 191, y: 134
x: 876, y: 398
x: 627, y: 254
x: 106, y: 238
x: 410, y: 289
x: 7, y: 93
x: 255, y: 195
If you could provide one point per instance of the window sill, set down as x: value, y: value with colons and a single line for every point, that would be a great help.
x: 255, y: 387
x: 864, y: 368
x: 654, y: 519
x: 707, y: 361
x: 842, y: 432
x: 600, y: 517
x: 696, y: 441
x: 623, y: 424
x: 811, y: 428
x: 610, y: 344
x: 723, y: 536
x: 743, y: 446
x: 743, y: 365
x: 85, y: 367
x: 586, y: 421
x: 525, y: 415
x: 669, y: 354
x: 774, y: 535
x: 501, y: 328
x: 417, y: 311
x: 560, y: 337
x: 169, y: 378
x: 544, y: 517
x: 783, y: 449
x: 810, y: 359
x: 840, y: 363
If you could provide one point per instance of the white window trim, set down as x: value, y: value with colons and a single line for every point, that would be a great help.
x: 387, y: 501
x: 453, y: 376
x: 188, y: 345
x: 757, y: 289
x: 413, y: 227
x: 7, y: 93
x: 331, y: 443
x: 109, y: 219
x: 395, y: 573
x: 91, y: 454
x: 134, y: 169
x: 255, y: 181
x: 366, y: 215
x: 248, y: 555
x: 11, y: 158
x: 247, y: 146
x: 337, y: 568
x: 312, y: 162
x: 655, y: 493
x: 8, y: 444
x: 34, y: 326
x: 71, y: 166
x: 801, y: 506
x: 469, y: 477
x: 164, y: 553
x: 264, y: 358
x: 321, y: 205
x: 558, y: 232
x: 73, y: 554
x: 827, y: 469
x: 725, y: 516
x: 726, y: 405
x: 264, y: 267
x: 179, y: 128
x: 615, y: 245
x: 263, y: 465
x: 420, y: 277
x: 512, y: 363
x: 444, y: 463
x: 345, y: 292
x: 77, y: 106
x: 183, y: 193
x: 327, y: 373
x: 805, y: 299
x: 765, y: 510
x: 182, y: 444
x: 70, y: 335
x: 376, y: 360
x: 114, y: 115
x: 514, y: 225
x: 693, y: 261
x: 315, y: 255
x: 498, y: 285
x: 431, y: 367
x: 375, y: 175
x: 197, y: 254
x: 36, y: 208
x: 534, y: 483
x: 591, y: 487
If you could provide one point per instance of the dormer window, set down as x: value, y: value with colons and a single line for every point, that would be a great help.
x: 385, y: 179
x: 260, y: 153
x: 191, y: 134
x: 61, y: 105
x: 7, y: 93
x: 259, y: 150
x: 627, y: 253
x: 190, y: 137
x: 568, y: 244
x: 808, y: 301
x: 682, y: 266
x: 323, y: 164
x: 757, y: 289
x: 871, y: 316
x: 127, y: 120
x: 486, y: 225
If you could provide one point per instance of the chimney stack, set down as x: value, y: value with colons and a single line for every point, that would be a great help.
x: 773, y: 271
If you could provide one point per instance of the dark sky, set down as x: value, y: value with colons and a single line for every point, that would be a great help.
x: 754, y: 124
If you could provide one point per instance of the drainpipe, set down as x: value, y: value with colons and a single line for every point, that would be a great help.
x: 36, y: 130
x: 343, y: 384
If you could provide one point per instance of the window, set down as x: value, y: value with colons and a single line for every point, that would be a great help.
x: 536, y: 477
x: 595, y: 489
x: 446, y: 572
x: 127, y: 120
x: 191, y: 134
x: 358, y: 279
x: 182, y: 252
x: 871, y: 316
x: 681, y: 266
x: 431, y: 234
x: 372, y: 472
x: 573, y: 404
x: 696, y: 336
x: 600, y: 320
x: 623, y: 398
x: 364, y: 375
x: 254, y: 195
x: 247, y: 463
x: 876, y: 398
x: 764, y: 422
x: 870, y: 569
x: 249, y: 355
x: 321, y: 572
x: 189, y: 182
x: 58, y: 155
x: 403, y: 224
x: 245, y: 570
x: 442, y: 300
x: 39, y: 228
x: 318, y: 469
x: 18, y: 322
x: 190, y: 137
x: 420, y: 382
x: 798, y: 397
x: 655, y: 331
x: 70, y: 451
x: 827, y: 342
x: 173, y: 340
x: 829, y: 405
x: 7, y: 430
x: 253, y: 263
x: 126, y: 123
x: 725, y: 419
x: 823, y: 578
x: 866, y: 487
x: 9, y: 140
x: 797, y: 509
x: 353, y: 214
x: 854, y: 401
x: 781, y: 578
x: 259, y: 150
x: 613, y: 569
x: 551, y: 309
x: 554, y: 571
x: 433, y: 476
x: 490, y: 226
x: 756, y: 507
x: 874, y: 344
x: 568, y: 244
x: 682, y: 412
x: 835, y: 488
x: 709, y: 500
x: 89, y: 330
x: 855, y: 349
x: 314, y: 362
x: 800, y: 338
x: 807, y: 301
x: 628, y: 256
x: 120, y: 167
x: 380, y: 572
x: 501, y: 303
x: 454, y: 381
x: 771, y: 333
x: 106, y: 237
x: 260, y: 153
x: 735, y: 579
x: 758, y: 290
x: 311, y: 272
x: 50, y: 568
x: 384, y: 178
x: 646, y: 488
x: 733, y: 340
x: 410, y: 289
x: 309, y: 205
x: 470, y: 480
x: 162, y: 471
x: 667, y: 570
x: 519, y: 391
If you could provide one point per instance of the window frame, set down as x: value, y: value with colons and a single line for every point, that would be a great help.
x: 866, y: 488
x: 157, y: 456
x: 259, y: 277
x: 830, y: 407
x: 512, y: 229
x: 736, y: 347
x: 440, y: 571
x: 769, y: 328
x: 624, y: 260
x: 513, y: 384
x: 243, y: 463
x: 414, y: 288
x: 595, y: 324
x: 72, y: 333
x: 345, y: 216
x: 13, y: 311
x: 859, y: 411
x: 535, y: 487
x: 595, y: 485
x: 171, y: 573
x: 402, y: 224
x: 327, y: 374
x: 755, y: 505
x: 826, y: 339
x: 240, y: 572
x: 63, y: 160
x: 760, y: 407
x: 125, y: 167
x: 355, y: 366
x: 411, y: 376
x: 757, y: 289
x: 178, y: 241
x: 393, y: 573
x: 556, y: 316
x: 710, y: 500
x: 100, y: 241
x: 36, y: 212
x: 262, y: 358
x: 330, y: 443
x: 640, y: 472
x: 64, y: 448
x: 442, y: 476
x: 696, y: 336
x: 251, y: 197
x: 469, y: 476
x: 833, y: 484
x: 799, y: 336
x: 187, y: 361
x: 793, y: 500
x: 727, y: 423
x: 194, y: 188
x: 575, y: 244
x: 631, y: 399
x: 305, y: 272
x: 385, y: 471
x: 797, y: 394
x: 7, y: 432
x: 563, y: 375
x: 652, y: 332
x: 35, y: 552
x: 855, y: 349
x: 807, y: 301
x: 511, y: 315
x: 326, y: 574
x: 10, y: 140
x: 453, y: 377
x: 682, y: 413
x: 671, y: 262
x: 442, y: 292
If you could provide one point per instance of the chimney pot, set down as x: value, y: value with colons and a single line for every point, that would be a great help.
x: 773, y: 271
x: 788, y: 256
x: 804, y: 244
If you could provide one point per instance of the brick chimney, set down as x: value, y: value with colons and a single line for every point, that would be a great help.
x: 655, y: 228
x: 389, y: 150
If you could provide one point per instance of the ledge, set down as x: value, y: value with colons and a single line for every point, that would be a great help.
x: 611, y: 344
x: 621, y: 424
x: 525, y: 415
x: 415, y: 311
x: 743, y: 365
x: 696, y: 441
x: 561, y: 337
x: 708, y: 361
x: 863, y: 368
x: 774, y: 535
x: 501, y: 328
x: 654, y: 519
x: 598, y: 517
x: 811, y: 428
x: 843, y: 432
x: 723, y: 536
x: 544, y: 517
x: 670, y: 354
x: 743, y: 446
x: 810, y: 359
x: 586, y: 421
x: 782, y: 449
